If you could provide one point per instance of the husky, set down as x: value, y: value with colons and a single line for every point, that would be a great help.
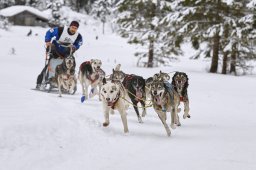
x: 117, y: 75
x: 65, y: 76
x: 112, y: 94
x: 180, y: 85
x: 165, y: 100
x: 91, y: 74
x: 161, y: 76
x: 135, y: 88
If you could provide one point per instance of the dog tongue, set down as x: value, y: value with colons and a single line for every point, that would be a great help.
x: 158, y: 100
x: 138, y: 94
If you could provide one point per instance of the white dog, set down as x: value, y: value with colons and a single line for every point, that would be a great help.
x: 112, y: 100
x: 91, y: 74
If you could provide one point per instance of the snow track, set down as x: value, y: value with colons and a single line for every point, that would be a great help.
x: 40, y: 131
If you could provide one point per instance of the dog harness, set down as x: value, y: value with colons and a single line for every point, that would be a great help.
x: 126, y: 79
x: 183, y: 99
x: 93, y: 80
x: 84, y: 63
x: 87, y: 75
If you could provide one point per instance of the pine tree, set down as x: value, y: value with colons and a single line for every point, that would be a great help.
x: 102, y: 9
x: 205, y: 21
x: 4, y: 23
x: 241, y: 35
x: 139, y: 21
x: 225, y: 25
x: 55, y: 6
x: 6, y: 3
x: 33, y: 3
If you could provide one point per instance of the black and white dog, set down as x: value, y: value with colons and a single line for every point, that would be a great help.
x: 135, y: 88
x: 91, y: 74
x: 180, y: 85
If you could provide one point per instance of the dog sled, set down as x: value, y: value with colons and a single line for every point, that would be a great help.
x: 49, y: 76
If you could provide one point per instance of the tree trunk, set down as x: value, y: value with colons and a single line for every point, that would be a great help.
x: 151, y: 53
x: 233, y: 60
x: 225, y: 53
x: 224, y: 64
x: 215, y: 55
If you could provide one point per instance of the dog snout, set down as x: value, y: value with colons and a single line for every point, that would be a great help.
x: 98, y: 67
x: 108, y: 99
x: 155, y: 93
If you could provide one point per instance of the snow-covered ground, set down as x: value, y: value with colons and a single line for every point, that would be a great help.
x: 40, y: 131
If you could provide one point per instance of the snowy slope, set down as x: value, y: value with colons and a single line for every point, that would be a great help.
x: 40, y: 131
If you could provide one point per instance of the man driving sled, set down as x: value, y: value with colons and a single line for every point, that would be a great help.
x: 60, y: 43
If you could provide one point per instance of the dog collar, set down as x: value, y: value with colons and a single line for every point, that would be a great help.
x: 183, y: 99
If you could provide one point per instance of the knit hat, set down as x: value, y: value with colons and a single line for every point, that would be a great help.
x: 74, y: 23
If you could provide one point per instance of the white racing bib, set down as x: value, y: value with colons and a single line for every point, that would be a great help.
x: 66, y: 38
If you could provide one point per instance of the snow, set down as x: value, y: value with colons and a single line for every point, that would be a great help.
x: 228, y: 2
x: 40, y: 131
x: 14, y: 10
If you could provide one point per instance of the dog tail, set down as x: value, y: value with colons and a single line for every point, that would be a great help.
x: 118, y: 66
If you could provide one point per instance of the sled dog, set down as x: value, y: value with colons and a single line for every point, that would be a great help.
x: 180, y: 86
x: 135, y: 89
x: 91, y: 74
x: 112, y: 94
x: 65, y: 76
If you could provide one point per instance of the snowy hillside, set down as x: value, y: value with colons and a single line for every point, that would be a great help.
x: 40, y: 131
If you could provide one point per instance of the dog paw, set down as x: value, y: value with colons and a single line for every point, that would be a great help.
x: 186, y: 116
x: 126, y: 131
x: 140, y: 120
x: 144, y: 113
x: 60, y: 96
x: 173, y: 126
x: 105, y: 124
x: 83, y: 98
x: 169, y: 133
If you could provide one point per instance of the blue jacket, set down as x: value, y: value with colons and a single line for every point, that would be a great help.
x: 56, y: 32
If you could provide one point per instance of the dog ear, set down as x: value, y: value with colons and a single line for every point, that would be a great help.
x: 167, y: 77
x: 118, y: 66
x: 104, y: 81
